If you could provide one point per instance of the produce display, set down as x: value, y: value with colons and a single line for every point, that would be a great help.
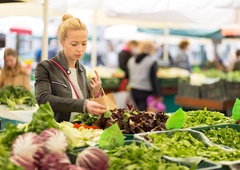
x: 131, y: 121
x: 140, y: 157
x: 16, y: 95
x: 183, y: 144
x: 44, y: 143
x: 204, y: 117
x: 224, y: 136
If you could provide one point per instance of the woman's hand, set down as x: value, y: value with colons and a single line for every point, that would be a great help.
x: 95, y: 108
x: 95, y: 85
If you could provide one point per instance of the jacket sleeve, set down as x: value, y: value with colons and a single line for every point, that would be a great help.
x: 61, y: 102
x: 154, y: 80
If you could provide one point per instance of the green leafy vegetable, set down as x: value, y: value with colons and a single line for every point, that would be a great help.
x: 42, y: 119
x: 13, y: 95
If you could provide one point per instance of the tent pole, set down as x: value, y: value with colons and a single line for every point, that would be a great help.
x: 94, y: 42
x: 165, y: 46
x: 44, y: 54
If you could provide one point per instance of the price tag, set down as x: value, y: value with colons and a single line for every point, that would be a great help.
x: 111, y: 137
x: 176, y: 120
x: 236, y: 110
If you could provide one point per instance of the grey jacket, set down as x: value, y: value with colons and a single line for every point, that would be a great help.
x: 51, y: 85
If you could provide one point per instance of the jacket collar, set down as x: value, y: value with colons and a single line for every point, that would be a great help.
x: 61, y: 58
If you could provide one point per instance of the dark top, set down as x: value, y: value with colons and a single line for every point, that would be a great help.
x: 123, y: 58
x: 236, y: 66
x: 53, y: 86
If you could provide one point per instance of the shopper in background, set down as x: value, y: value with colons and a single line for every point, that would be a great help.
x: 128, y: 51
x: 236, y: 65
x: 125, y: 54
x: 13, y: 73
x: 62, y: 80
x: 182, y: 60
x: 141, y: 74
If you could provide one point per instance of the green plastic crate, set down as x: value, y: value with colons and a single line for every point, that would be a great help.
x: 204, y: 128
x: 128, y: 136
x: 5, y: 121
x: 201, y: 164
x: 168, y: 82
x: 111, y: 83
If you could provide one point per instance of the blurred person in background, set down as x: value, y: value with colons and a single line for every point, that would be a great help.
x: 182, y: 59
x: 236, y: 65
x: 62, y: 80
x: 142, y: 75
x: 13, y: 73
x: 128, y: 51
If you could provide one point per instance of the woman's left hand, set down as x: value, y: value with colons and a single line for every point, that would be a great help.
x: 95, y: 85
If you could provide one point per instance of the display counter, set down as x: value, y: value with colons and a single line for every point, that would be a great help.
x: 199, y: 103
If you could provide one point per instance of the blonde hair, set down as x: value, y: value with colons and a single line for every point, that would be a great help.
x: 69, y: 23
x: 146, y: 47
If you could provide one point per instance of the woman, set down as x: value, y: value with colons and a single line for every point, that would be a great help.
x: 13, y: 73
x: 141, y: 72
x: 182, y: 60
x: 62, y: 80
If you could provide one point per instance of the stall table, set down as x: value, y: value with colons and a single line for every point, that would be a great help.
x: 199, y: 103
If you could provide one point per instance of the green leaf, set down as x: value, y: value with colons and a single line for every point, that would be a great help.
x: 236, y: 110
x: 111, y: 137
x: 107, y: 114
x: 176, y: 120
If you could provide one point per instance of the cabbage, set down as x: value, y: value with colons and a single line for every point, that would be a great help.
x: 54, y: 140
x: 73, y: 134
x: 92, y: 158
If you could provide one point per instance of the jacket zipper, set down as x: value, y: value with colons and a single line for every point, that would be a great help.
x: 55, y: 82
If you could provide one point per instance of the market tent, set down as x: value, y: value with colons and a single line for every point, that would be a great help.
x: 200, y: 12
x: 203, y: 33
x: 25, y: 25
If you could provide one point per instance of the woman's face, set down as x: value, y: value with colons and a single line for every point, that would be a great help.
x: 10, y: 61
x: 75, y: 44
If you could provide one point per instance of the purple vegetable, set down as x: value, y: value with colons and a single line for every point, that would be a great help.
x: 26, y: 162
x: 75, y: 167
x: 55, y: 161
x: 28, y: 145
x: 54, y: 140
x: 92, y: 158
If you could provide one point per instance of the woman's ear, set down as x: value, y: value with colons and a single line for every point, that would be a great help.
x: 61, y: 42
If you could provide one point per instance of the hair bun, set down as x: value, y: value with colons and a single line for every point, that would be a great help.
x: 66, y: 16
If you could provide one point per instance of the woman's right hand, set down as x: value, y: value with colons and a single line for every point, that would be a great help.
x: 95, y: 108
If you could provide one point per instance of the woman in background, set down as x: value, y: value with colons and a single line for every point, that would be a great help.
x: 13, y: 73
x: 141, y: 72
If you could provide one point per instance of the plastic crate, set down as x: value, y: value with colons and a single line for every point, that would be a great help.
x: 128, y: 136
x: 196, y: 134
x: 187, y: 90
x: 206, y: 128
x: 168, y: 82
x: 215, y: 91
x: 5, y: 121
x: 201, y: 164
x: 232, y: 90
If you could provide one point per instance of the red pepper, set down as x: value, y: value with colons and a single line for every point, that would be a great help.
x: 77, y: 126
